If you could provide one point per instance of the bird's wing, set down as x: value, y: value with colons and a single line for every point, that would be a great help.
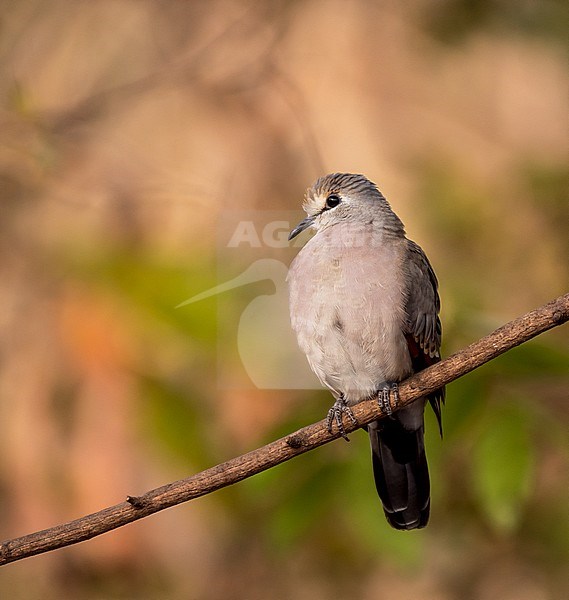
x: 423, y: 326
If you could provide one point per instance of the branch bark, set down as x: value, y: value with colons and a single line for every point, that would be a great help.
x: 503, y: 339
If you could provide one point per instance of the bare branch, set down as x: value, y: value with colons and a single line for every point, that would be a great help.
x: 503, y: 339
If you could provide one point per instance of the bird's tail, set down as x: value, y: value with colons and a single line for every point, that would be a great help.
x: 400, y: 470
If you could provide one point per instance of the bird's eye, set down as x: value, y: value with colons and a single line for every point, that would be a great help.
x: 332, y: 201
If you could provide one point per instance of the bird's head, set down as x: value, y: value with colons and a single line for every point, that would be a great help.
x: 345, y: 198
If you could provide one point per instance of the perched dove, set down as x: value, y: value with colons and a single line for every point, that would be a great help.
x: 364, y: 306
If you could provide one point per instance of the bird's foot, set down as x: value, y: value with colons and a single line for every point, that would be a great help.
x: 335, y: 414
x: 384, y: 397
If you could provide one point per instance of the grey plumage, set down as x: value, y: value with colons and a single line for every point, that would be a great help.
x: 364, y: 306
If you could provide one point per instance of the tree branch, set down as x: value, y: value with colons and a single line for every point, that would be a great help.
x: 503, y: 339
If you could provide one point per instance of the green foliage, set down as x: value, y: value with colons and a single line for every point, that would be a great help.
x: 175, y: 417
x: 453, y: 21
x: 152, y: 286
x: 326, y: 498
x: 547, y: 187
x: 503, y: 465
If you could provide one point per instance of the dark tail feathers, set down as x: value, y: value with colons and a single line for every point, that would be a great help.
x: 400, y: 472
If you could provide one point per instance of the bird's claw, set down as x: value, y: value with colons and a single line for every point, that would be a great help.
x: 335, y: 414
x: 384, y: 397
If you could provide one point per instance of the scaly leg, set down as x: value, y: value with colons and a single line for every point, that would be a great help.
x: 335, y: 415
x: 384, y: 397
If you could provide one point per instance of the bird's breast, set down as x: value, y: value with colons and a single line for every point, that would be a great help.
x: 347, y: 309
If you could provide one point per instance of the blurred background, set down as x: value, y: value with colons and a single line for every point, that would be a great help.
x: 127, y: 130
